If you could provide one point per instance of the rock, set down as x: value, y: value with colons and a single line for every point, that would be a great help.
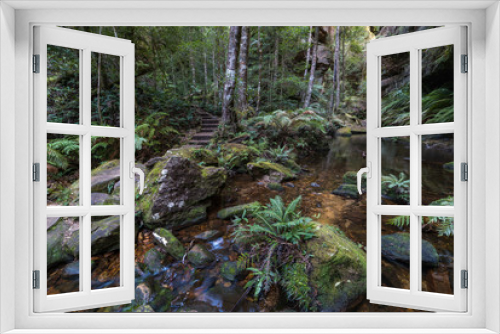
x: 396, y: 247
x: 142, y: 294
x: 315, y: 185
x: 277, y: 172
x: 153, y: 261
x: 351, y: 177
x: 166, y: 240
x: 143, y: 309
x: 105, y: 235
x: 104, y: 176
x: 208, y: 235
x: 275, y: 186
x: 338, y: 270
x: 449, y: 166
x: 238, y: 155
x: 290, y: 185
x: 104, y: 199
x: 59, y: 234
x: 200, y: 256
x: 232, y: 271
x: 344, y: 132
x: 71, y: 270
x: 177, y: 192
x: 347, y: 190
x: 238, y: 210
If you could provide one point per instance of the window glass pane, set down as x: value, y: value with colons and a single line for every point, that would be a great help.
x: 395, y: 89
x: 437, y: 254
x: 437, y: 85
x: 396, y: 251
x: 105, y: 248
x: 395, y: 170
x: 437, y: 170
x: 63, y: 170
x: 63, y: 248
x: 63, y: 85
x: 105, y: 180
x: 105, y: 89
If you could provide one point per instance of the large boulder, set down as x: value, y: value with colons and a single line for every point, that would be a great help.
x: 200, y: 256
x: 238, y: 155
x: 177, y: 191
x: 58, y: 235
x: 396, y: 247
x: 338, y: 270
x: 105, y: 235
x: 166, y: 240
x: 104, y: 177
x: 276, y: 172
x: 238, y: 210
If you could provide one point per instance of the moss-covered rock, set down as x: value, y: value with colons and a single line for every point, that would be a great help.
x: 105, y: 235
x: 347, y: 190
x: 351, y: 177
x: 200, y: 256
x: 238, y: 154
x: 238, y: 210
x: 344, y: 132
x: 276, y: 172
x: 338, y: 269
x: 58, y: 234
x: 232, y: 270
x: 166, y: 240
x: 153, y: 261
x: 177, y: 191
x: 396, y: 247
x: 449, y: 166
x: 275, y: 186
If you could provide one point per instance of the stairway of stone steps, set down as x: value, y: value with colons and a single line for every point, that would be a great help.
x: 209, y: 125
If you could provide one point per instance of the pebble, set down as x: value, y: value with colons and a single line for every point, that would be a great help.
x: 290, y: 185
x: 315, y: 185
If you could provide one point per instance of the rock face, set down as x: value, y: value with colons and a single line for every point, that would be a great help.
x: 396, y: 247
x: 166, y: 240
x: 238, y: 210
x: 276, y: 172
x: 177, y: 191
x: 338, y: 269
x: 200, y: 256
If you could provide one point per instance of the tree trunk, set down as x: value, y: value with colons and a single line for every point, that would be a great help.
x: 215, y: 78
x: 259, y: 46
x: 229, y: 120
x: 99, y: 79
x: 276, y: 63
x: 191, y: 63
x: 337, y: 69
x: 342, y: 52
x: 307, y: 100
x: 308, y: 59
x: 243, y: 70
x: 206, y: 75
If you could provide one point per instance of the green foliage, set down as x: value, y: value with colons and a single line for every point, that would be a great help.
x: 437, y: 106
x: 275, y: 236
x: 396, y: 107
x: 398, y: 187
x: 279, y: 154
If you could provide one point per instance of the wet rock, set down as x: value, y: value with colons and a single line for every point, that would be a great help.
x: 143, y: 309
x: 153, y: 261
x: 200, y: 256
x: 104, y: 199
x: 290, y: 185
x: 275, y: 186
x: 315, y: 185
x: 142, y: 294
x: 178, y: 190
x: 238, y: 210
x: 338, y: 269
x: 72, y: 270
x: 276, y: 172
x: 197, y: 306
x: 166, y: 240
x: 232, y: 271
x: 347, y: 190
x: 396, y: 247
x: 208, y: 235
x: 344, y: 132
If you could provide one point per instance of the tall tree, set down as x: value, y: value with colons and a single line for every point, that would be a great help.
x: 307, y: 100
x: 243, y: 70
x: 337, y: 68
x: 229, y: 120
x: 191, y: 59
x: 259, y: 46
x: 308, y: 58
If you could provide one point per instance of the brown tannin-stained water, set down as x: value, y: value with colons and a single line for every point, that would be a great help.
x: 204, y: 290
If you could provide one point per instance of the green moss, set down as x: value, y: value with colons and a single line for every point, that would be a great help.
x: 165, y: 239
x: 107, y: 165
x: 238, y: 210
x: 232, y: 270
x: 263, y: 167
x: 275, y: 186
x: 347, y: 190
x: 344, y: 132
x: 449, y: 166
x: 351, y: 177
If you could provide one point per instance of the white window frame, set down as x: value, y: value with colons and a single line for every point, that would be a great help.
x: 483, y: 100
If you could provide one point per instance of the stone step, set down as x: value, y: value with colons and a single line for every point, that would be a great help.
x: 208, y: 128
x: 215, y: 122
x: 202, y: 137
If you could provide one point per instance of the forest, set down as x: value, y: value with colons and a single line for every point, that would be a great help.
x: 250, y: 138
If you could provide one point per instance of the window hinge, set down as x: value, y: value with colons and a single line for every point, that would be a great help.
x: 36, y: 172
x: 464, y: 171
x: 36, y: 279
x: 36, y: 63
x: 465, y: 63
x: 465, y: 279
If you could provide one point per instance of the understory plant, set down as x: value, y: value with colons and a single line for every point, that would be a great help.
x: 397, y: 187
x: 274, y: 240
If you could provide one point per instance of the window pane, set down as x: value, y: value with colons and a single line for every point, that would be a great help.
x: 395, y: 89
x: 437, y: 85
x: 63, y: 85
x: 63, y: 247
x: 105, y: 89
x: 105, y: 248
x: 63, y: 170
x: 437, y: 170
x: 437, y: 254
x: 105, y: 181
x: 396, y: 251
x: 395, y: 170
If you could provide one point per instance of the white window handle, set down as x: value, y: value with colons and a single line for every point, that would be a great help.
x: 134, y: 170
x: 368, y: 172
